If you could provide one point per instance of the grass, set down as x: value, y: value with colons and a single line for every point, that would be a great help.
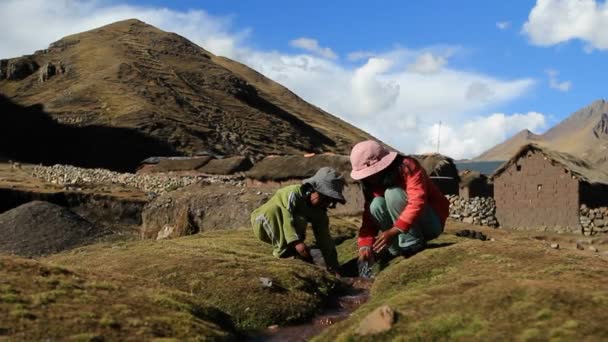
x: 222, y: 268
x: 207, y: 286
x: 41, y: 302
x: 493, y: 290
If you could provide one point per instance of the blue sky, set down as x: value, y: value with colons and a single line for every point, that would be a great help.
x: 485, y: 69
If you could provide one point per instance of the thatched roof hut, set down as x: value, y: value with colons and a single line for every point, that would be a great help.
x: 168, y: 164
x: 474, y: 184
x: 543, y: 189
x: 577, y: 167
x: 442, y: 170
x: 283, y: 168
x: 226, y: 166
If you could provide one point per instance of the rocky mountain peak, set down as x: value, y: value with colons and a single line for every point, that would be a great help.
x: 601, y: 128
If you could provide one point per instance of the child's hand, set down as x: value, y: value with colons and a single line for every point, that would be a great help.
x: 303, y: 251
x: 385, y: 239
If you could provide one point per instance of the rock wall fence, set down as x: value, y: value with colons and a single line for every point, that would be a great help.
x: 476, y: 210
x: 481, y: 211
x: 594, y: 220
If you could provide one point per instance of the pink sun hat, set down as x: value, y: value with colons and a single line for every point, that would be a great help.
x: 368, y: 158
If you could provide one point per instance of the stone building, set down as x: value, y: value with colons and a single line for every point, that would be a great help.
x: 474, y: 184
x: 540, y: 189
x: 442, y: 171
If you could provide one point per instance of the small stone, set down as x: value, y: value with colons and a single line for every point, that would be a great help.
x: 555, y: 245
x: 378, y: 321
x: 266, y: 282
x: 592, y: 249
x: 273, y: 327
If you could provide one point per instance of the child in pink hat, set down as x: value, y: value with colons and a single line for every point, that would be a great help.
x: 401, y: 202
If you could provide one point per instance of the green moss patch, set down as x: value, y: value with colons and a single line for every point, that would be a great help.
x: 494, y: 290
x: 221, y: 268
x: 40, y: 302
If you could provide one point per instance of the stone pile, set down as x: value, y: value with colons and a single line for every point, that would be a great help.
x: 72, y: 177
x: 594, y: 220
x: 477, y: 210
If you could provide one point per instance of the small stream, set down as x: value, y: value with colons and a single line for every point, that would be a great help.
x: 339, y: 308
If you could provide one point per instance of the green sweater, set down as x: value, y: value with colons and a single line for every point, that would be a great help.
x: 283, y: 220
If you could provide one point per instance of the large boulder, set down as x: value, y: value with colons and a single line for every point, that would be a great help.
x: 199, y: 207
x: 39, y: 228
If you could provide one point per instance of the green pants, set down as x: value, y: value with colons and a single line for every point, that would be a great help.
x: 386, y: 210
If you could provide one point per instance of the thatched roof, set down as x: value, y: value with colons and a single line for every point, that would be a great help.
x: 226, y: 166
x: 165, y: 164
x: 467, y: 177
x: 436, y: 164
x: 577, y: 167
x: 282, y: 168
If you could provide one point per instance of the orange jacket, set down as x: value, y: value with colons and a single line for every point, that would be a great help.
x: 420, y: 191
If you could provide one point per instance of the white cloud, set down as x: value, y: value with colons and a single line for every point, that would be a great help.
x: 503, y: 25
x: 311, y: 45
x: 383, y: 94
x: 554, y: 83
x: 31, y: 25
x: 479, y: 134
x: 427, y: 63
x: 555, y: 21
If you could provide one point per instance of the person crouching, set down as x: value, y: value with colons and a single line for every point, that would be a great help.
x: 282, y: 220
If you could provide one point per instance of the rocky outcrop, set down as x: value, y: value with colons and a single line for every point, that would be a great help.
x: 601, y: 128
x: 476, y: 210
x: 3, y: 68
x: 594, y: 220
x: 17, y: 68
x: 198, y: 208
x: 49, y: 70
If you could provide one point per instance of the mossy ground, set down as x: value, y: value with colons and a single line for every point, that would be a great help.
x: 43, y: 302
x: 207, y: 286
x: 514, y: 288
x: 221, y: 268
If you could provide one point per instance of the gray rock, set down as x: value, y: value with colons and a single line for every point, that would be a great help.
x: 555, y: 245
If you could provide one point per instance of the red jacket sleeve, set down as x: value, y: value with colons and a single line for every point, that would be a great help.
x: 368, y: 230
x: 416, y: 188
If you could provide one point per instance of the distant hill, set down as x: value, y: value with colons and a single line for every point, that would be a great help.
x: 583, y: 134
x: 505, y: 150
x: 133, y: 76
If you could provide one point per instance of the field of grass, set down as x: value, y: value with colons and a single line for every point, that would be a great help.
x: 207, y: 286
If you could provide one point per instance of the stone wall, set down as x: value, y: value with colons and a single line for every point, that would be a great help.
x: 476, y: 210
x: 594, y: 220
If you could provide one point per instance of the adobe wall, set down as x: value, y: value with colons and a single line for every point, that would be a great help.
x: 536, y: 195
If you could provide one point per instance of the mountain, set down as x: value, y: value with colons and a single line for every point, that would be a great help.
x: 583, y: 134
x: 132, y: 76
x: 507, y: 149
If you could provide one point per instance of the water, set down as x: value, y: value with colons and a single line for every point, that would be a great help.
x: 483, y: 167
x: 339, y: 308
